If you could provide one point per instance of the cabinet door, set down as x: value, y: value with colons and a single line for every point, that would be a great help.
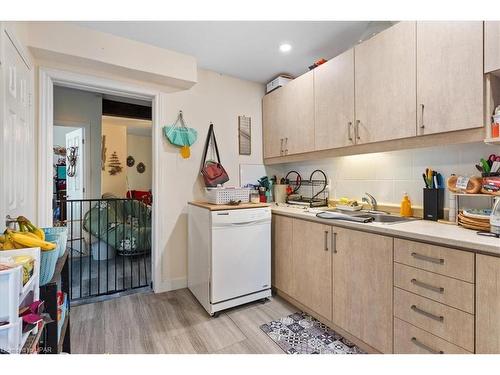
x: 449, y: 76
x: 312, y: 266
x: 386, y: 85
x: 491, y: 46
x: 362, y: 286
x: 487, y: 304
x: 273, y: 119
x: 334, y: 102
x: 298, y: 127
x: 282, y: 253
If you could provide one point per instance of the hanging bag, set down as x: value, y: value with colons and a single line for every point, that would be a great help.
x: 213, y: 172
x: 181, y: 135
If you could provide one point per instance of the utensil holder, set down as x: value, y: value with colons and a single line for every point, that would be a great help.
x: 433, y: 204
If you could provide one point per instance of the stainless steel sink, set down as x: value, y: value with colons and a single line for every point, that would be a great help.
x: 386, y: 218
x: 378, y: 216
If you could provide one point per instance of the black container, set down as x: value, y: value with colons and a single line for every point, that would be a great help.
x: 433, y: 204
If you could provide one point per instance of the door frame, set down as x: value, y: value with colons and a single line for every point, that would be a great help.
x: 47, y: 78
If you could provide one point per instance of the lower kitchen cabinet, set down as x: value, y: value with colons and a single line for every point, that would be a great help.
x: 282, y: 272
x: 362, y: 286
x: 487, y: 304
x: 312, y: 266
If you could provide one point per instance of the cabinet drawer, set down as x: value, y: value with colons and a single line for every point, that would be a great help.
x: 443, y: 321
x: 449, y: 262
x: 409, y: 339
x: 451, y: 292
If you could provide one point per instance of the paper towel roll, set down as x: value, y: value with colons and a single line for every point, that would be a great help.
x: 280, y: 193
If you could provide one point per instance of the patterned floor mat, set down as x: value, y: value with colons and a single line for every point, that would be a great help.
x: 300, y: 333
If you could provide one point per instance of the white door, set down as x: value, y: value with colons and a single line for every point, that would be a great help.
x: 17, y: 153
x: 75, y: 184
x: 75, y: 174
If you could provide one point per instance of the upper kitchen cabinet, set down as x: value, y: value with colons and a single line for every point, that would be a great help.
x: 449, y: 76
x: 288, y: 118
x: 385, y: 85
x: 273, y: 109
x: 491, y: 46
x: 299, y: 133
x: 334, y: 102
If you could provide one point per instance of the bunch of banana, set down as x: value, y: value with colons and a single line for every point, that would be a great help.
x: 26, y: 226
x: 28, y: 236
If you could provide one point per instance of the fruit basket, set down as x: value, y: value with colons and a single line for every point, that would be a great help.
x: 58, y: 235
x: 48, y: 265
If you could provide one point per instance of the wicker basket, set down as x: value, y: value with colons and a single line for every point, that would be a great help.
x: 226, y: 195
x: 58, y: 235
x: 48, y: 263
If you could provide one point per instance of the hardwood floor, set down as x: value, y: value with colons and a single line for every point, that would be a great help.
x: 172, y: 322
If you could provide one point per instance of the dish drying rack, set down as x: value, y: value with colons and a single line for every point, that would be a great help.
x: 310, y: 193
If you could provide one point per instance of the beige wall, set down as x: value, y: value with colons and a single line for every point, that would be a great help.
x: 220, y: 99
x: 140, y: 147
x: 82, y: 108
x: 116, y: 141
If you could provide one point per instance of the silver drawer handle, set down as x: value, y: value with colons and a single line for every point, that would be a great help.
x: 427, y: 314
x: 427, y: 258
x: 436, y: 289
x: 425, y: 347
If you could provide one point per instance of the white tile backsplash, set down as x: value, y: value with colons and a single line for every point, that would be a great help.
x: 388, y: 175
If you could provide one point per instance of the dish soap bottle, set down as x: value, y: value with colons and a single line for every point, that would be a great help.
x: 406, y: 210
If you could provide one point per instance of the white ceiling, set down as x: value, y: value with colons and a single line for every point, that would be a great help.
x: 247, y: 49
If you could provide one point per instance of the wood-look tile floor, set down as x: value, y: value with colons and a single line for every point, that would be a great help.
x: 172, y: 322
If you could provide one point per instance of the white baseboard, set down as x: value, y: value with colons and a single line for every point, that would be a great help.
x: 172, y: 284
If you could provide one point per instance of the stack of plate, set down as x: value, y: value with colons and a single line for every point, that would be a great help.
x: 475, y: 219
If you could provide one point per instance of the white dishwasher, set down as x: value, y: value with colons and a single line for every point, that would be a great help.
x: 229, y: 256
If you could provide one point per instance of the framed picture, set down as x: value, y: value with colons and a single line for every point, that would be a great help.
x: 245, y: 135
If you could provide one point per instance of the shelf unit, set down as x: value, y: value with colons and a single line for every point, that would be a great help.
x: 492, y: 141
x: 492, y: 92
x: 52, y: 342
x: 15, y: 295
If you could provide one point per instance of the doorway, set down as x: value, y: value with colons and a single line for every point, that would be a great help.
x: 111, y: 236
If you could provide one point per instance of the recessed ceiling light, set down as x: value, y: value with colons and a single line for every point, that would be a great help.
x: 285, y: 47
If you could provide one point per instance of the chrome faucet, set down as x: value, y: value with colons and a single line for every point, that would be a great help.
x: 371, y: 201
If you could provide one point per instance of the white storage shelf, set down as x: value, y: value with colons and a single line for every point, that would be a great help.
x: 14, y: 295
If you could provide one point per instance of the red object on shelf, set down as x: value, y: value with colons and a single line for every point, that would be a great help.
x: 495, y: 130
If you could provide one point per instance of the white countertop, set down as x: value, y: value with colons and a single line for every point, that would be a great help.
x: 421, y: 230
